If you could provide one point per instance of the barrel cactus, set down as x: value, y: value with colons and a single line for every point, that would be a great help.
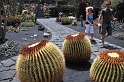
x: 108, y: 66
x: 77, y: 48
x: 40, y: 62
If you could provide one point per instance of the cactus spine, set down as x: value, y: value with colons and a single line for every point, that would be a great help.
x: 108, y: 66
x: 77, y: 48
x: 40, y: 62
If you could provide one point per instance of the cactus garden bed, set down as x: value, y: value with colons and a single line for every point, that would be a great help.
x: 18, y: 37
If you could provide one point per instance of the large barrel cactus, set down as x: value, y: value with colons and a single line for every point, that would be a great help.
x: 77, y: 48
x: 108, y: 66
x: 40, y: 62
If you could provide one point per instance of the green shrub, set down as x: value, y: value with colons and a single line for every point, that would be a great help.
x: 27, y: 16
x: 66, y: 20
x: 47, y: 12
x: 61, y: 2
x: 27, y: 24
x: 11, y: 20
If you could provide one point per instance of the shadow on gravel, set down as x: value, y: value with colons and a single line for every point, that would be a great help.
x: 111, y: 47
x: 79, y: 66
x: 93, y: 42
x: 3, y: 41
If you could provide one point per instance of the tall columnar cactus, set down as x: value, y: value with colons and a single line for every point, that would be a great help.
x: 40, y: 62
x: 77, y: 48
x: 108, y: 66
x: 2, y: 20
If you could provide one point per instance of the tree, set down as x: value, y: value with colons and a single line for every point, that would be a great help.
x: 61, y: 2
x: 114, y: 3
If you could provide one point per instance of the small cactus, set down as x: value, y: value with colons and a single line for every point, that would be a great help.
x: 108, y: 66
x: 74, y: 23
x: 77, y: 48
x: 40, y: 62
x: 119, y: 36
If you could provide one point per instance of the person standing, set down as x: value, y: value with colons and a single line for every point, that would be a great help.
x: 107, y: 14
x: 89, y: 22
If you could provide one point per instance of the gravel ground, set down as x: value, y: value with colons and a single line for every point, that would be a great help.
x: 74, y: 72
x: 110, y: 39
x: 23, y: 38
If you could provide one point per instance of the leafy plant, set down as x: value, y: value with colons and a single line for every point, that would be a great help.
x: 61, y: 2
x: 12, y: 20
x: 60, y: 14
x: 23, y: 15
x: 47, y: 12
x: 27, y: 24
x: 66, y: 20
x: 114, y: 3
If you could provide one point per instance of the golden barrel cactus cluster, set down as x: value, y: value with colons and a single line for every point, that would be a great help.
x: 108, y: 66
x: 77, y: 47
x: 40, y: 62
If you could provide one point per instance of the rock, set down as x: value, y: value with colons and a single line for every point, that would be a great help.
x: 46, y: 34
